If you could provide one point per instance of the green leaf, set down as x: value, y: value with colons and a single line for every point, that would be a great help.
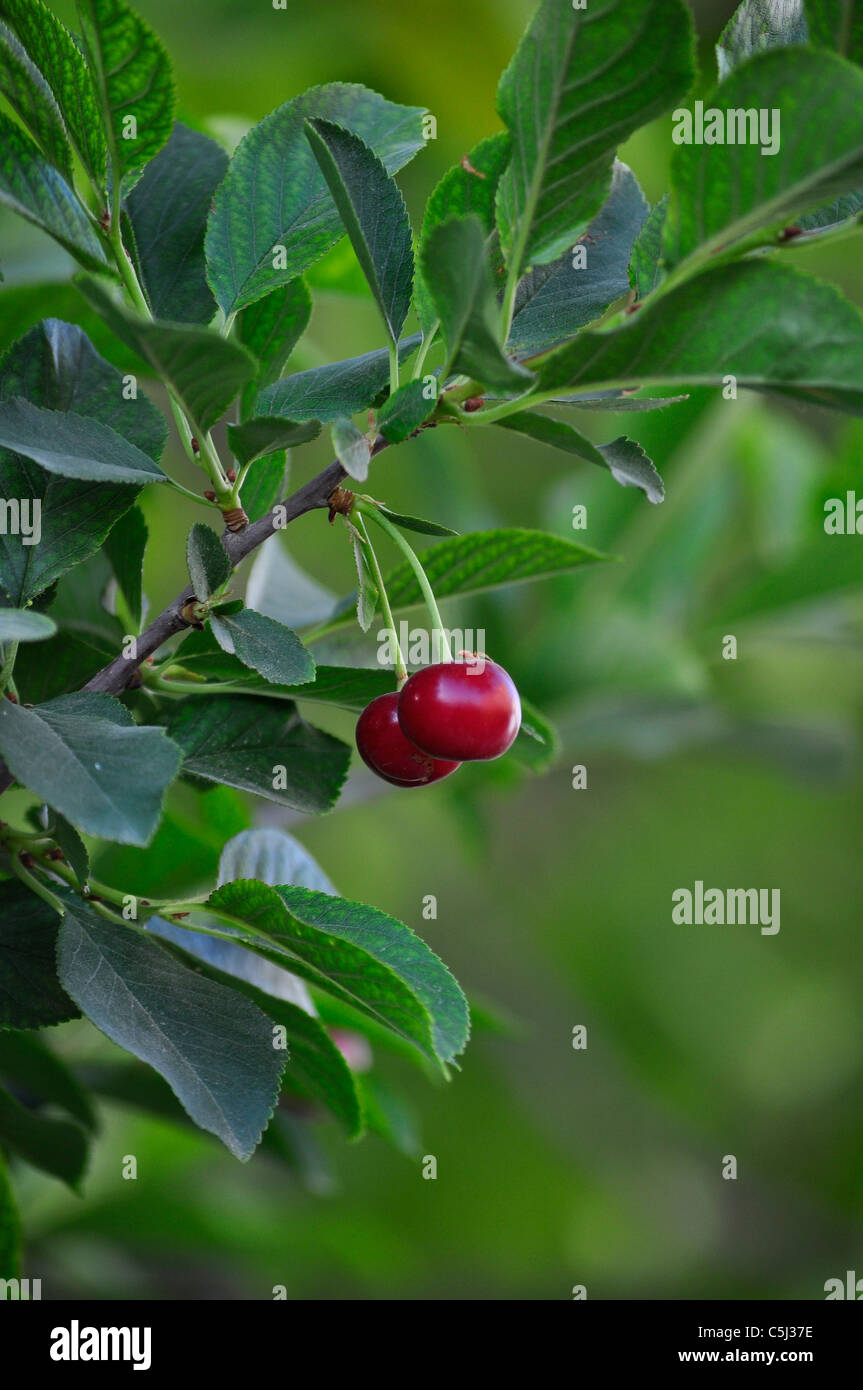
x: 62, y: 64
x: 352, y: 448
x: 23, y: 306
x: 23, y: 625
x: 405, y: 410
x: 467, y: 190
x: 416, y: 523
x: 125, y: 547
x: 245, y: 742
x: 274, y: 857
x: 483, y: 560
x: 271, y: 328
x: 208, y: 562
x: 266, y: 646
x: 580, y: 83
x: 389, y: 1115
x: 29, y: 95
x: 71, y: 844
x: 168, y: 210
x: 74, y: 521
x: 55, y: 365
x: 777, y: 24
x: 368, y: 594
x: 65, y: 663
x: 27, y: 1061
x: 645, y: 267
x: 360, y: 955
x: 730, y: 192
x: 374, y: 215
x: 10, y: 1228
x: 133, y: 81
x: 537, y: 744
x: 31, y: 995
x: 836, y: 24
x: 75, y: 446
x: 83, y: 755
x: 265, y: 485
x: 554, y: 301
x: 203, y: 370
x: 765, y: 324
x: 340, y: 388
x: 213, y: 1047
x: 34, y: 189
x: 457, y: 273
x: 58, y: 1147
x: 273, y: 215
x: 268, y: 434
x: 626, y: 461
x: 757, y: 25
x: 314, y: 1067
x: 350, y: 686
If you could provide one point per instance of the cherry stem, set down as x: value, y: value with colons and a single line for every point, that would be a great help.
x: 401, y: 670
x: 368, y: 508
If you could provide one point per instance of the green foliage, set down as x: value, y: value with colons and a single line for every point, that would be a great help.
x: 245, y: 742
x: 134, y: 84
x: 707, y: 328
x: 274, y: 195
x: 85, y: 755
x: 31, y: 98
x: 204, y: 372
x: 33, y: 188
x: 541, y: 279
x: 482, y: 560
x: 725, y: 193
x: 375, y: 217
x: 271, y: 328
x: 209, y: 565
x: 459, y: 280
x: 352, y: 448
x: 58, y: 57
x: 20, y: 625
x: 167, y: 211
x: 604, y: 72
x: 31, y: 995
x: 264, y: 645
x: 214, y: 1047
x: 332, y: 392
x: 555, y: 300
x: 357, y: 953
x: 624, y: 459
x: 74, y: 446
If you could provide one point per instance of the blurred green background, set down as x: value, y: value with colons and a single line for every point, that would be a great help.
x: 555, y: 1166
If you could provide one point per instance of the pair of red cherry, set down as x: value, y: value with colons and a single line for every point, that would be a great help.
x: 447, y: 714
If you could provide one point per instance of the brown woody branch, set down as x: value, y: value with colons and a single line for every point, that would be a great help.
x: 117, y: 676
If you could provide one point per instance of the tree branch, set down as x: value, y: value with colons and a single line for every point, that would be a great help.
x: 116, y: 677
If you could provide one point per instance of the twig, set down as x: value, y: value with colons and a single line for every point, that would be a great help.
x: 117, y: 676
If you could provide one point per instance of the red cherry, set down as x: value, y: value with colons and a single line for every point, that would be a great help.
x: 467, y: 709
x: 384, y: 748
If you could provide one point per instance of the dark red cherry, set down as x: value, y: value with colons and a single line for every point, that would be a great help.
x: 467, y: 709
x: 384, y: 748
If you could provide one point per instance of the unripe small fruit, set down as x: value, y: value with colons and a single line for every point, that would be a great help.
x: 467, y: 709
x: 384, y: 748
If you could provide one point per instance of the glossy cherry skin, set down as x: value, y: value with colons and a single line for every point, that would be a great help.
x: 467, y: 709
x: 384, y: 748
